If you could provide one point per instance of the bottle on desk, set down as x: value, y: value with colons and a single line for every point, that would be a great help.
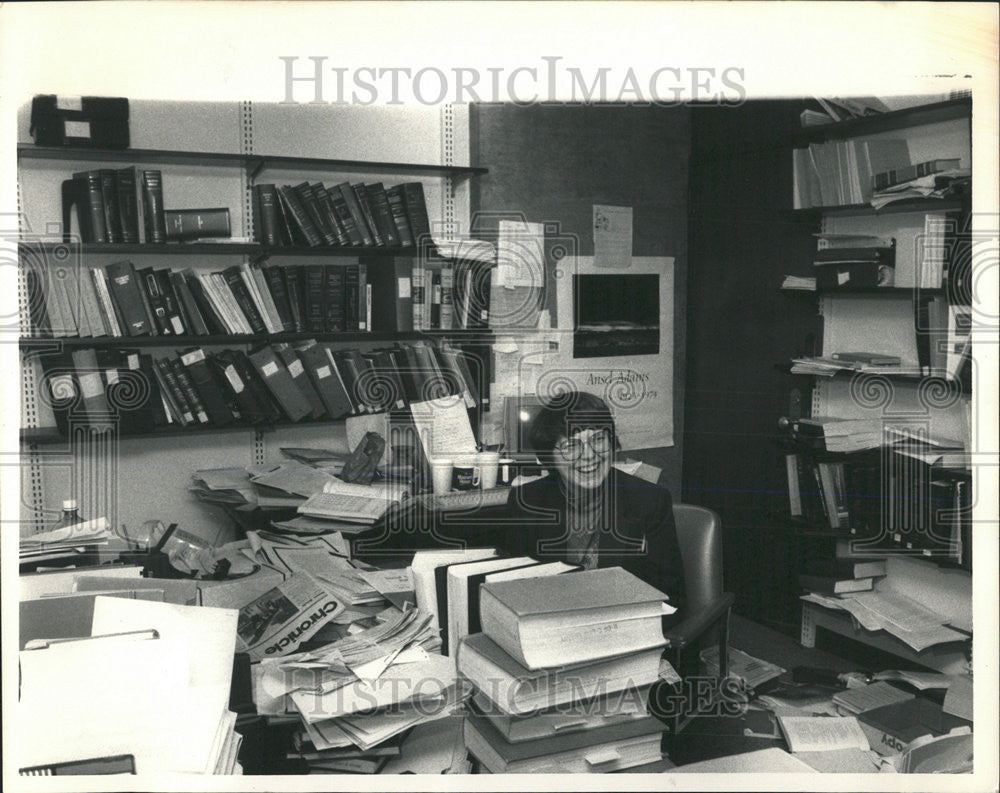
x: 70, y: 515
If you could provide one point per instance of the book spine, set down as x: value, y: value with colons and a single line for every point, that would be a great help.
x: 171, y: 390
x: 383, y: 214
x: 234, y: 277
x: 351, y: 199
x: 193, y: 224
x: 435, y: 301
x: 364, y: 298
x: 416, y: 211
x: 266, y: 215
x: 419, y: 297
x: 311, y: 206
x: 188, y: 390
x: 259, y: 294
x: 199, y: 287
x: 333, y: 299
x: 397, y: 206
x: 315, y: 318
x: 366, y: 210
x: 344, y: 217
x: 152, y: 197
x: 154, y: 301
x: 171, y: 302
x: 123, y: 286
x: 447, y: 314
x: 275, y: 279
x: 330, y: 212
x: 93, y: 224
x: 300, y: 217
x: 352, y: 314
x: 128, y: 215
x: 224, y: 298
x: 193, y: 318
x: 111, y: 211
x: 295, y: 283
x: 215, y: 405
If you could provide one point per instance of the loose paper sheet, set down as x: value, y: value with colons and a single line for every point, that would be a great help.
x: 443, y: 426
x: 520, y: 254
x: 612, y: 236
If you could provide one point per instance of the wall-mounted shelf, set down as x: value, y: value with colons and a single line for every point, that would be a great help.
x: 952, y: 204
x: 886, y: 122
x: 881, y: 291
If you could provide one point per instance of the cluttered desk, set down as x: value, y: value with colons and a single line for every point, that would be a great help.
x: 354, y: 629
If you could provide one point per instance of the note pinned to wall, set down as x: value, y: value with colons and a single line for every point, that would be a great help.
x: 520, y: 254
x: 612, y: 236
x: 444, y: 427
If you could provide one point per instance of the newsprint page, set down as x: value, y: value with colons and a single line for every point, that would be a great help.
x: 533, y: 395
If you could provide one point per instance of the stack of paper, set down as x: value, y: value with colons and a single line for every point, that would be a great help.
x: 57, y: 543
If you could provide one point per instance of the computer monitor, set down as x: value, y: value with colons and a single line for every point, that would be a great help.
x: 519, y: 414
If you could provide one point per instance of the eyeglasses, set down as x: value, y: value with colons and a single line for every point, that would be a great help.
x: 572, y: 449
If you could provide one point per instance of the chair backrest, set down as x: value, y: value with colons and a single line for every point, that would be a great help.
x: 699, y: 534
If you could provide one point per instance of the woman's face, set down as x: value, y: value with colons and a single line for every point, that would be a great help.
x: 584, y: 459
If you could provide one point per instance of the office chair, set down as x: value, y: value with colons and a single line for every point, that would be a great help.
x: 699, y: 534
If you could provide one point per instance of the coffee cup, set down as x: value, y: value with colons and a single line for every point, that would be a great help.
x: 489, y: 465
x: 465, y: 475
x: 441, y: 474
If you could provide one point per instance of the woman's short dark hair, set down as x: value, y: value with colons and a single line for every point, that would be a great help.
x: 567, y: 413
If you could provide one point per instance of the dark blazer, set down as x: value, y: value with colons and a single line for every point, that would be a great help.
x: 643, y: 538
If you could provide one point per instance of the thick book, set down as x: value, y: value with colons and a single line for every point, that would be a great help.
x: 345, y: 219
x: 170, y: 388
x: 131, y: 388
x: 191, y: 395
x: 153, y: 300
x: 301, y: 219
x: 446, y: 316
x: 416, y: 212
x: 109, y: 193
x: 266, y: 215
x: 85, y: 192
x: 290, y: 233
x: 254, y: 276
x: 297, y: 371
x: 274, y: 276
x: 334, y: 320
x: 397, y: 206
x: 613, y: 747
x: 295, y: 282
x: 270, y: 406
x: 107, y: 303
x: 434, y: 313
x: 832, y: 585
x: 316, y: 212
x: 152, y: 206
x: 128, y: 209
x: 171, y: 301
x: 419, y: 298
x: 519, y: 691
x: 42, y: 307
x: 350, y: 305
x: 351, y: 199
x: 364, y: 201
x: 194, y: 224
x: 194, y: 321
x: 234, y: 387
x: 275, y: 375
x: 246, y: 303
x: 314, y: 298
x: 891, y: 728
x: 330, y: 213
x: 383, y: 214
x: 90, y: 304
x: 392, y: 294
x: 91, y: 384
x: 213, y: 399
x: 354, y: 373
x: 389, y: 390
x: 124, y: 286
x: 70, y: 285
x: 214, y: 321
x: 454, y: 364
x: 573, y: 619
x: 364, y: 298
x: 325, y: 381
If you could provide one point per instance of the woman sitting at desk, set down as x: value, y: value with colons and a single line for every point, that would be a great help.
x: 586, y: 512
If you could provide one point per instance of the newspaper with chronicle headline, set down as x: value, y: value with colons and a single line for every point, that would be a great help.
x: 278, y: 621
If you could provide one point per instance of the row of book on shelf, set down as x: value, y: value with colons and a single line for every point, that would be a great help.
x: 875, y: 171
x: 346, y: 215
x: 126, y: 205
x: 272, y: 383
x: 120, y: 300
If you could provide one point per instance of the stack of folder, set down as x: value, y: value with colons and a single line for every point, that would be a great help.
x: 562, y: 671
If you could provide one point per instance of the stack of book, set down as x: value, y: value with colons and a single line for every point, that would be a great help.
x: 562, y: 670
x: 346, y: 215
x: 272, y: 383
x: 125, y: 205
x: 854, y: 261
x: 846, y: 572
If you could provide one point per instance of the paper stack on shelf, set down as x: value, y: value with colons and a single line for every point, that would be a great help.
x: 935, y: 185
x: 47, y: 546
x: 552, y: 694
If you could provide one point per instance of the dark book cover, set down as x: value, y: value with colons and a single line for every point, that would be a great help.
x: 397, y: 206
x: 297, y: 371
x: 234, y: 277
x: 94, y: 402
x: 213, y: 400
x: 266, y: 215
x: 171, y: 301
x: 290, y: 234
x: 38, y: 299
x: 281, y: 384
x: 319, y: 367
x: 194, y: 322
x: 310, y: 203
x: 315, y: 294
x: 364, y: 298
x: 300, y: 217
x: 295, y: 282
x: 435, y: 295
x: 330, y: 213
x: 154, y: 300
x: 109, y: 192
x: 275, y: 279
x: 392, y: 294
x: 352, y: 312
x: 342, y: 211
x: 351, y: 199
x: 124, y: 287
x: 157, y: 399
x: 235, y: 390
x: 84, y: 191
x: 214, y: 322
x: 409, y: 371
x: 351, y: 373
x: 271, y: 409
x: 390, y: 383
x: 171, y: 389
x: 152, y: 199
x: 333, y: 298
x: 416, y: 211
x: 191, y: 395
x: 128, y: 211
x: 193, y: 224
x: 383, y: 214
x: 131, y: 390
x: 366, y: 210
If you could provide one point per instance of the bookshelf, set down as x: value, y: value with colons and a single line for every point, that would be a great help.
x: 896, y: 503
x: 209, y: 155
